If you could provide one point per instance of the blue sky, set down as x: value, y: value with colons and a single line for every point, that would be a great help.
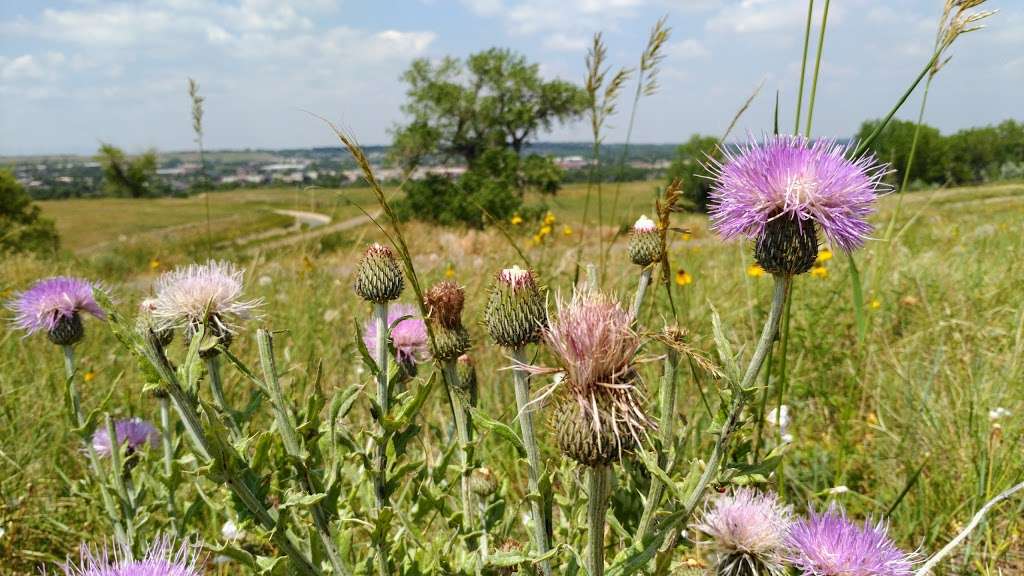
x: 75, y: 73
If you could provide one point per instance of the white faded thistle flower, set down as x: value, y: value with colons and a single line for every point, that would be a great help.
x: 997, y: 413
x: 203, y: 294
x: 231, y: 532
x: 841, y: 489
x: 749, y: 531
x: 780, y: 417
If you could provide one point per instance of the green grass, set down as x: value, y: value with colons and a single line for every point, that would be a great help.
x: 944, y: 346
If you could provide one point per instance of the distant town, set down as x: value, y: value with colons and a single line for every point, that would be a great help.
x: 47, y: 177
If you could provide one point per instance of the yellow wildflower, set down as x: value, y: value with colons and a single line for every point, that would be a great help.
x: 517, y: 219
x: 537, y: 239
x: 545, y: 230
x: 89, y: 376
x: 549, y: 218
x: 683, y: 277
x: 874, y: 304
x: 686, y: 235
x: 449, y: 272
x: 755, y: 271
x: 154, y: 263
x: 567, y: 230
x: 819, y: 272
x: 824, y: 256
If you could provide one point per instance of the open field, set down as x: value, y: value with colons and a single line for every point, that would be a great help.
x: 912, y: 407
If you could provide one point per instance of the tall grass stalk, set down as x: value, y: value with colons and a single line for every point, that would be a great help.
x: 803, y: 66
x: 539, y: 533
x: 817, y: 69
x: 646, y: 85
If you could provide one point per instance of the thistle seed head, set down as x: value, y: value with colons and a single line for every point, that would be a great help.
x: 444, y: 302
x: 379, y: 278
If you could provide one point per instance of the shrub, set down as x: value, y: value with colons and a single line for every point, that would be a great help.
x: 22, y: 229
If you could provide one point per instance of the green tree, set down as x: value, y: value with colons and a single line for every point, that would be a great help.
x: 893, y: 146
x: 134, y: 178
x: 493, y: 99
x: 22, y: 229
x: 688, y: 167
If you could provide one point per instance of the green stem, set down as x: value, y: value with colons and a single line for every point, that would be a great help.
x: 167, y: 440
x: 120, y: 534
x: 120, y: 478
x: 380, y: 458
x: 817, y: 68
x: 803, y: 66
x: 597, y: 506
x: 781, y: 386
x: 185, y: 405
x: 771, y: 327
x: 522, y: 386
x: 461, y: 416
x: 764, y: 403
x: 667, y: 430
x: 865, y: 143
x: 217, y: 390
x: 286, y: 424
x: 641, y: 290
x: 910, y: 162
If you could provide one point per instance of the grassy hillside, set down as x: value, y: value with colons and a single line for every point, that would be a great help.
x: 905, y: 410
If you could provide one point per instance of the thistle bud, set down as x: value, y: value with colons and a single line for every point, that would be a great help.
x: 378, y: 277
x: 589, y: 439
x: 145, y: 323
x: 444, y: 302
x: 67, y: 330
x: 482, y: 482
x: 515, y: 313
x: 645, y: 242
x: 787, y: 246
x: 466, y: 371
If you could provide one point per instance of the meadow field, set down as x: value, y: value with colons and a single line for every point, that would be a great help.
x: 915, y: 421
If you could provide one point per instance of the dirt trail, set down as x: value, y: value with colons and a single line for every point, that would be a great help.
x: 317, y: 227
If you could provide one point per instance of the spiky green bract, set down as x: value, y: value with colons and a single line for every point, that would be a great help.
x: 587, y: 433
x: 444, y: 302
x: 145, y: 322
x: 482, y: 482
x: 466, y: 371
x: 786, y: 247
x: 379, y: 278
x: 600, y: 407
x: 515, y: 314
x: 645, y: 242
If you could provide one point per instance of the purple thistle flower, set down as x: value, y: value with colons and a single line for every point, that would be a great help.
x: 829, y: 544
x: 409, y: 336
x: 807, y: 182
x: 134, y: 433
x: 202, y: 294
x: 53, y: 300
x: 162, y: 559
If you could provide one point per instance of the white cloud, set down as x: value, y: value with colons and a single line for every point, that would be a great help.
x: 688, y: 49
x: 565, y: 43
x: 759, y: 16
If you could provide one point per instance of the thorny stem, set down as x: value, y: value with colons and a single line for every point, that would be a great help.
x: 459, y: 413
x: 168, y: 445
x: 121, y: 484
x: 286, y: 425
x: 978, y: 517
x: 641, y: 290
x: 94, y: 465
x: 380, y: 457
x: 667, y: 429
x: 185, y: 405
x: 522, y: 386
x: 763, y: 407
x: 771, y: 327
x: 217, y: 389
x: 597, y: 507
